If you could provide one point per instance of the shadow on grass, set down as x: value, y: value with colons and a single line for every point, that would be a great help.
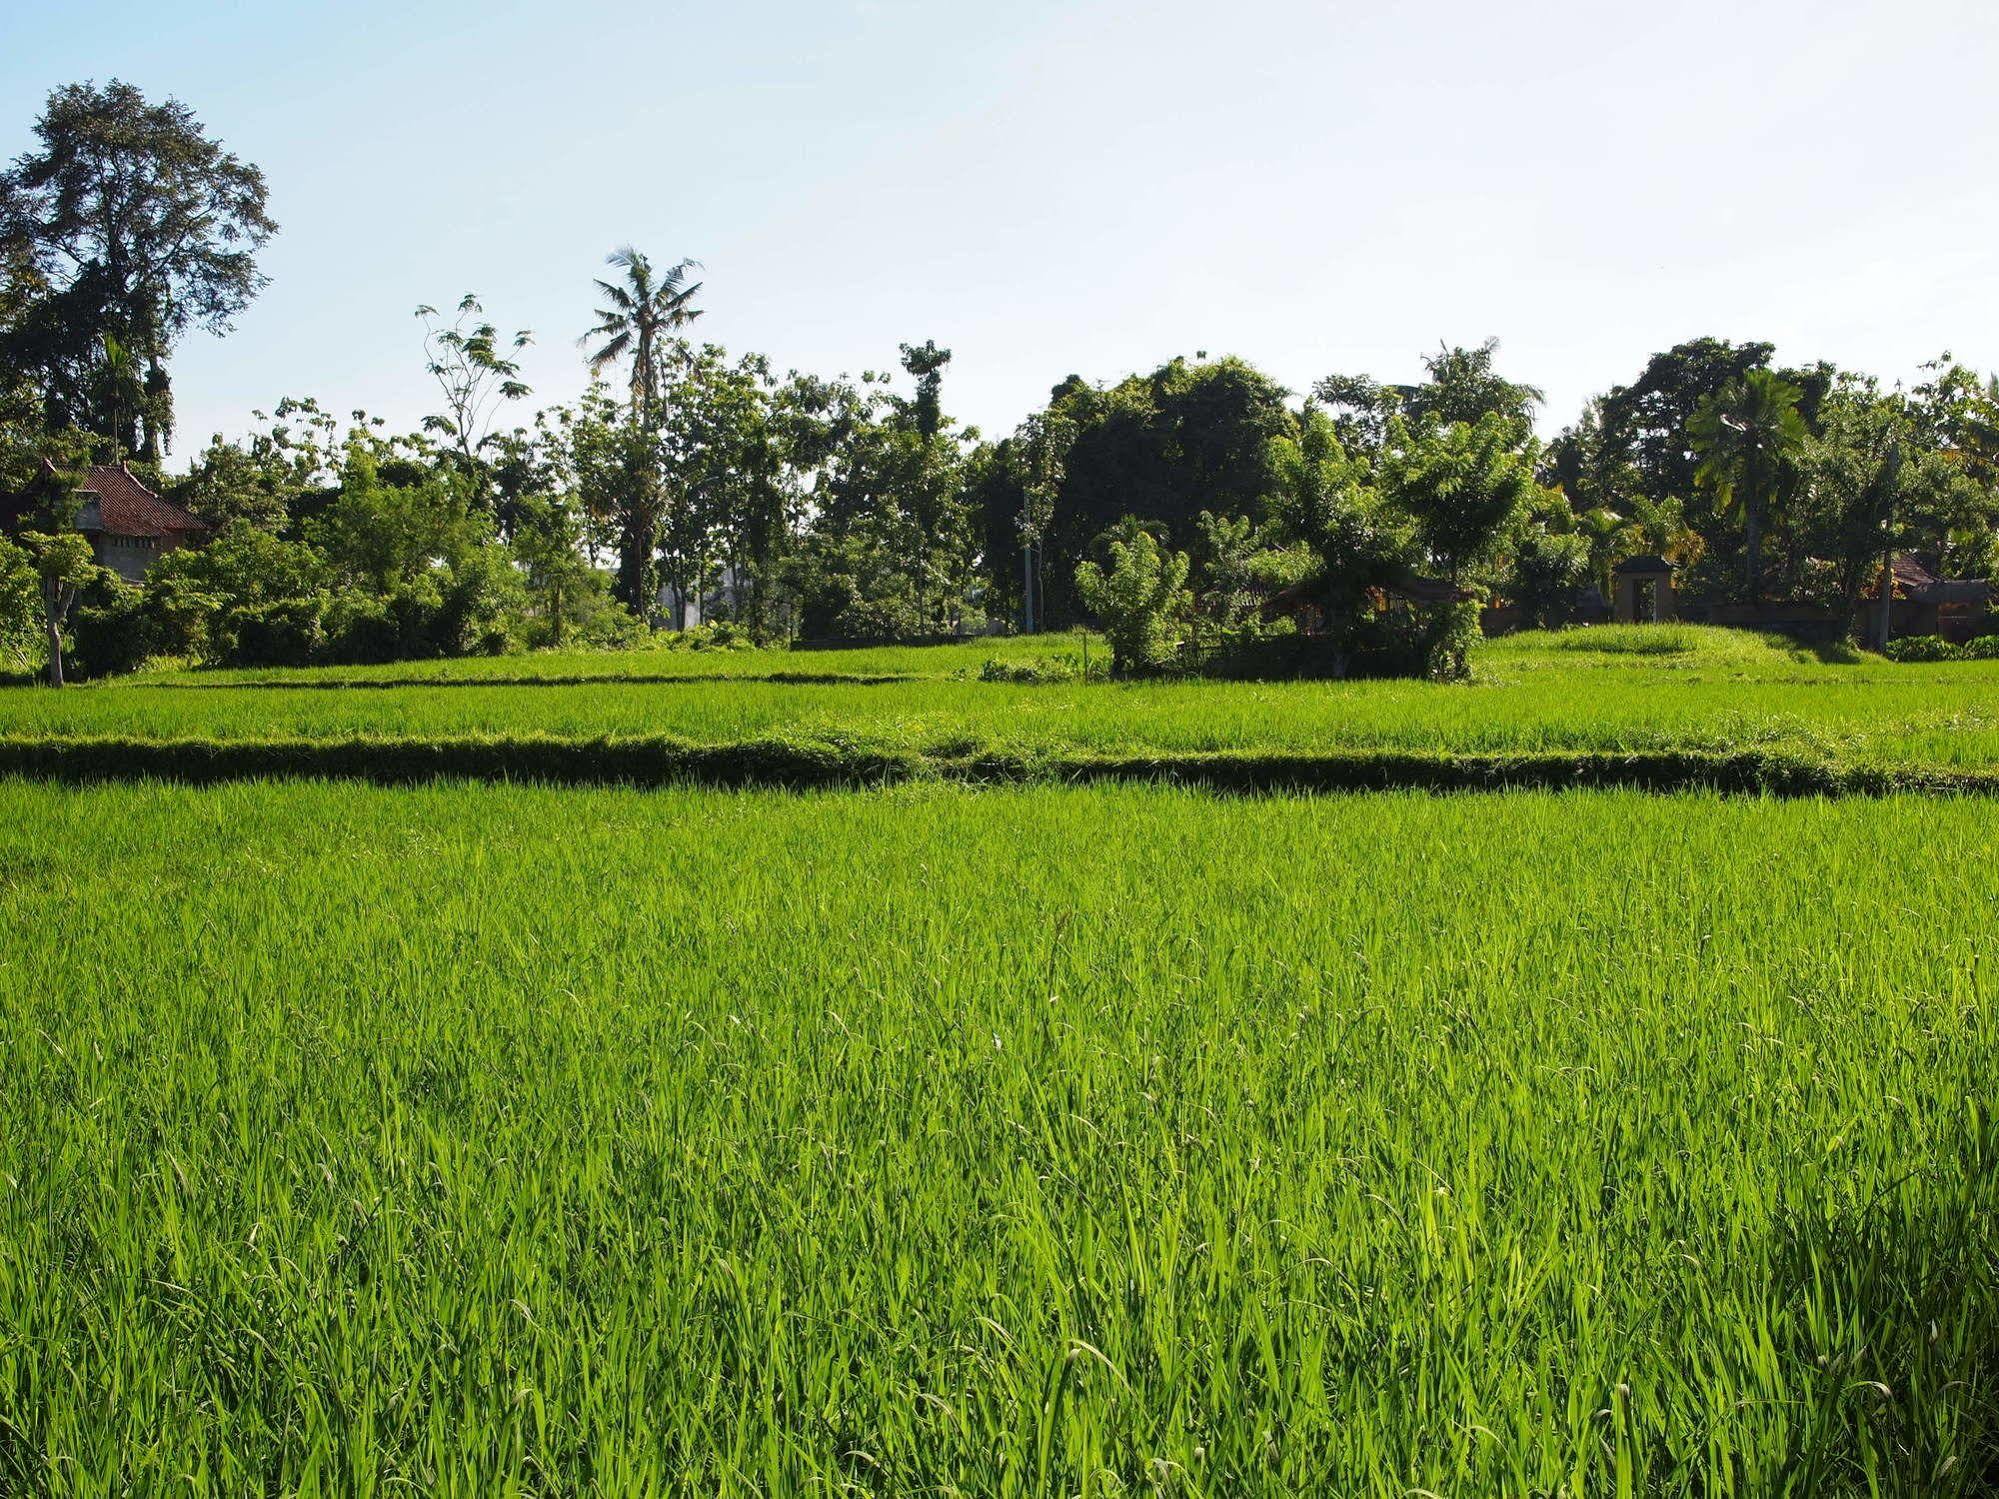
x: 383, y: 684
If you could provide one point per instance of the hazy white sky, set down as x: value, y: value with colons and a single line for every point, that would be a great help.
x: 1088, y: 186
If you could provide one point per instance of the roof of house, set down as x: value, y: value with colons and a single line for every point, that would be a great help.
x: 125, y: 507
x: 1916, y: 579
x: 1643, y: 565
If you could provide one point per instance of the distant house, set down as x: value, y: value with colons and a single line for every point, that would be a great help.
x: 1926, y: 604
x: 128, y: 526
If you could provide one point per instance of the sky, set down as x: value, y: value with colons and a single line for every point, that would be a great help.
x: 1085, y: 187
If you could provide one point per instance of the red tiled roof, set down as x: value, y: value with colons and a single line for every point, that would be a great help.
x: 125, y: 507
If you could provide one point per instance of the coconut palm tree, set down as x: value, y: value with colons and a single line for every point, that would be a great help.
x: 1743, y: 434
x: 1610, y: 537
x: 638, y: 314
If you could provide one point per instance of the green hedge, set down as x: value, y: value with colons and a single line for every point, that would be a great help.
x: 796, y: 764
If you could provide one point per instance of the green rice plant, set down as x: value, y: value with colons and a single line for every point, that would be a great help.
x: 478, y: 1140
x: 1729, y: 692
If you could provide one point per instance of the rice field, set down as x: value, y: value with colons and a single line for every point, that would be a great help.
x: 1607, y: 690
x: 478, y: 1140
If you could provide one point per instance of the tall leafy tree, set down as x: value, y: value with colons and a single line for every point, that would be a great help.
x: 63, y: 566
x: 1644, y: 424
x: 1744, y: 434
x: 1328, y: 500
x: 137, y: 228
x: 1464, y: 485
x: 640, y: 312
x: 1464, y: 387
x: 475, y: 370
x: 925, y: 363
x: 1164, y: 447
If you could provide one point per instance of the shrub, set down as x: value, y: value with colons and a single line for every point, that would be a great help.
x: 1450, y: 631
x: 281, y: 632
x: 1142, y: 602
x: 1984, y: 648
x: 114, y: 630
x: 1031, y: 670
x: 1914, y: 648
x: 722, y: 635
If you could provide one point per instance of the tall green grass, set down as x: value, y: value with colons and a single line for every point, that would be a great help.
x: 1727, y: 691
x: 484, y: 1140
x: 962, y: 658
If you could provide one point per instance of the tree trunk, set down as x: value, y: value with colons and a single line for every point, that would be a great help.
x: 1753, y: 565
x: 633, y: 568
x: 1887, y: 596
x: 55, y: 600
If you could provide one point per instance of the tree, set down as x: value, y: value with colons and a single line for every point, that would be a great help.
x: 139, y: 227
x: 464, y: 356
x: 1464, y: 486
x: 731, y: 499
x: 1856, y: 470
x: 1743, y: 434
x: 20, y: 609
x: 1359, y: 407
x: 1463, y: 388
x: 271, y: 478
x: 1327, y: 500
x: 1550, y: 559
x: 1042, y: 444
x: 926, y: 363
x: 1142, y: 601
x: 1607, y: 537
x: 892, y: 539
x: 63, y: 565
x: 1164, y: 446
x: 1643, y: 425
x: 637, y: 317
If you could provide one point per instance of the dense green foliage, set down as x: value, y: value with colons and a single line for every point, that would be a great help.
x: 698, y: 487
x: 125, y: 227
x: 364, y: 1140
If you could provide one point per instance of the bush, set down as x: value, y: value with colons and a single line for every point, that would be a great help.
x: 723, y: 635
x: 1984, y: 648
x: 1914, y: 648
x: 1450, y: 631
x: 282, y: 632
x: 113, y: 630
x: 1142, y: 601
x: 1031, y: 670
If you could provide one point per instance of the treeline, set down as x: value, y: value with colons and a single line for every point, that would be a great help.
x: 1201, y: 513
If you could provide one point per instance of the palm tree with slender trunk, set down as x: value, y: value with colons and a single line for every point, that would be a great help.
x: 640, y: 312
x: 1743, y: 435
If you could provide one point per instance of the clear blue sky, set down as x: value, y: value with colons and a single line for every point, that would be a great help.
x: 1084, y: 186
